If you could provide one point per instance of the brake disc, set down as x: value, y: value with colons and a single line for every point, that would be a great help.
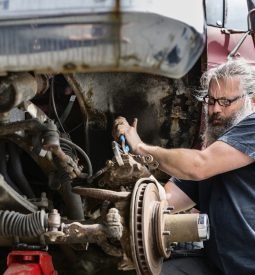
x: 145, y: 204
x: 153, y: 228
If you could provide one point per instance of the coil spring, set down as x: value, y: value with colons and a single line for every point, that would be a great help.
x: 17, y: 224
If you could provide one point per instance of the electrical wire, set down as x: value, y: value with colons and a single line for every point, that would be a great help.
x: 54, y: 105
x: 75, y: 128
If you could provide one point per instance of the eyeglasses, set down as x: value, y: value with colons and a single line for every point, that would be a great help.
x: 222, y: 101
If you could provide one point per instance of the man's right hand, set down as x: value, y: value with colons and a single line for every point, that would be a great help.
x: 122, y: 127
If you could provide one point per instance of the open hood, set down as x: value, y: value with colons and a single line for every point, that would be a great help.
x: 151, y: 36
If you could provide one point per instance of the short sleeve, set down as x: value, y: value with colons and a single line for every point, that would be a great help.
x: 242, y: 136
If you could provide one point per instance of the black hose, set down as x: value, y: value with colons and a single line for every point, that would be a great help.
x: 17, y: 171
x: 21, y: 225
x: 73, y: 202
x: 3, y: 167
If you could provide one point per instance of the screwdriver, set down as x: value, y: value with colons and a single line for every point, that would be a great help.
x: 124, y: 146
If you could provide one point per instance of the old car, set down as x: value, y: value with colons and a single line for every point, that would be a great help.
x: 73, y: 200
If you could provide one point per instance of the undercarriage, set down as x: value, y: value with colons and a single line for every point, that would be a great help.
x: 51, y: 196
x: 66, y: 187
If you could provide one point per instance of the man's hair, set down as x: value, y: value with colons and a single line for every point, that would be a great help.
x: 234, y: 68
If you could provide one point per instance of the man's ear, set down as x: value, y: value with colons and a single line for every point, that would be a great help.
x: 253, y: 100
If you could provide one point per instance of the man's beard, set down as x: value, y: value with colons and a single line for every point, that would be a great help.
x: 213, y: 132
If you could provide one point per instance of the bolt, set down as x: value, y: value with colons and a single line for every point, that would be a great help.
x: 166, y: 211
x: 166, y: 233
x: 109, y: 163
x: 53, y: 238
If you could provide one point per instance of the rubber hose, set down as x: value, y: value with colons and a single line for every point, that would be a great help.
x: 17, y: 173
x: 3, y: 167
x: 17, y: 224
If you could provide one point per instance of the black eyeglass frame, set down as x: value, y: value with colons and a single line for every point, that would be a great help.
x: 222, y: 101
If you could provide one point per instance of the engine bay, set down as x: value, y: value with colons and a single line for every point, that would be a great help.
x: 66, y: 182
x: 66, y: 187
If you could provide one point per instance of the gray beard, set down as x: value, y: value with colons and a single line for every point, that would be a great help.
x: 213, y: 132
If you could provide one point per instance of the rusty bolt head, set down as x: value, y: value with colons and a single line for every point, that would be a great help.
x: 166, y: 211
x: 166, y: 233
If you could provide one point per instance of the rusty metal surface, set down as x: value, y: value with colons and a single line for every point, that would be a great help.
x: 124, y: 176
x: 168, y: 114
x: 145, y: 200
x: 150, y: 202
x: 34, y: 111
x: 88, y: 233
x: 65, y: 162
x: 25, y: 125
x: 153, y: 228
x: 16, y: 88
x: 162, y: 235
x: 44, y: 163
x: 182, y: 227
x: 102, y: 194
x: 50, y: 138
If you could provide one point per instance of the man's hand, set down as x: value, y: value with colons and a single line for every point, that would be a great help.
x: 122, y: 127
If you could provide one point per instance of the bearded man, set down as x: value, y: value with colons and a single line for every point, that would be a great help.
x: 220, y: 179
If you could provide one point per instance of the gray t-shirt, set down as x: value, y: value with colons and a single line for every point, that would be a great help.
x: 229, y: 201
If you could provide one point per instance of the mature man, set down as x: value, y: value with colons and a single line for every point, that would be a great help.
x: 220, y: 179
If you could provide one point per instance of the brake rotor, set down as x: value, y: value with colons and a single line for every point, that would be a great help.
x: 145, y: 204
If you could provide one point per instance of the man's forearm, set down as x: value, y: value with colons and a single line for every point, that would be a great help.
x: 181, y: 163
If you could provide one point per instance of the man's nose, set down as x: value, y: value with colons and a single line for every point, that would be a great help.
x: 216, y: 108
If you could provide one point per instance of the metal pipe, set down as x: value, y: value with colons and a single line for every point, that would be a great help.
x: 32, y: 125
x: 15, y: 89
